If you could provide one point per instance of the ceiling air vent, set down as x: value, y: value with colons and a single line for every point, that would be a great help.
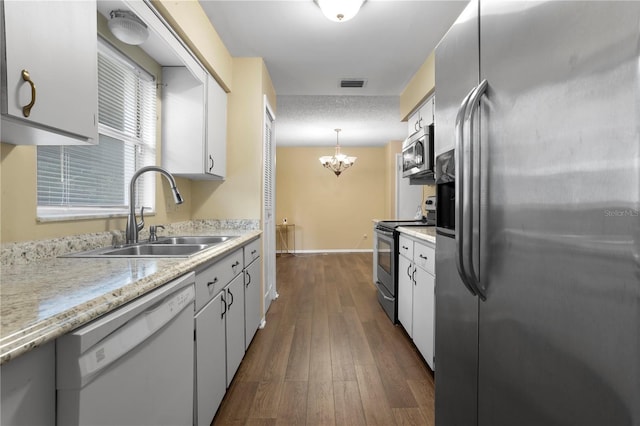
x: 353, y: 83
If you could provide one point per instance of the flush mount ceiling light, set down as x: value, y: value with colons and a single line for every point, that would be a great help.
x: 340, y: 10
x: 127, y: 27
x: 339, y: 162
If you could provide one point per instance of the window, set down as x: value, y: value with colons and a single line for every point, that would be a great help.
x: 94, y: 180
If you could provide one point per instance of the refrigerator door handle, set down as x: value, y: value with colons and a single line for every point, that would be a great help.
x: 467, y: 196
x: 459, y: 190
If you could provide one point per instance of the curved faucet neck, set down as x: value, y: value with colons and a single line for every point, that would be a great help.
x: 132, y: 226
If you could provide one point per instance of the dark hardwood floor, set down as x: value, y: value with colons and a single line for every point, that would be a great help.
x: 328, y: 354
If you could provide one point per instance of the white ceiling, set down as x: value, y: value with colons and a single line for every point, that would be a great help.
x: 307, y: 55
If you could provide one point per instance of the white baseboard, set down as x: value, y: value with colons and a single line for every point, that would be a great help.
x: 326, y: 251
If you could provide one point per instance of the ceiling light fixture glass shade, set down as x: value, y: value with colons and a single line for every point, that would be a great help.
x: 340, y: 10
x: 338, y: 162
x: 127, y: 27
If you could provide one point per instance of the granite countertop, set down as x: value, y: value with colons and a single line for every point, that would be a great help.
x: 45, y: 299
x: 426, y: 233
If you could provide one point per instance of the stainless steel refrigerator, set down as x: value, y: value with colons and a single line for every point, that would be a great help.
x: 538, y: 247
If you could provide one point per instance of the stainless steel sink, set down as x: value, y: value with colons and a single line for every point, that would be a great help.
x: 182, y: 246
x: 157, y: 250
x: 193, y: 240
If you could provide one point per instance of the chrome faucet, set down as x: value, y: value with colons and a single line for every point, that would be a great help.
x: 133, y: 227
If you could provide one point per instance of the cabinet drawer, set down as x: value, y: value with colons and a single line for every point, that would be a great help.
x: 252, y: 251
x: 406, y: 247
x: 211, y: 280
x: 424, y: 257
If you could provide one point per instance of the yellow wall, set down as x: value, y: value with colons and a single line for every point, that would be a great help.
x: 239, y: 196
x: 19, y: 184
x: 330, y: 213
x: 422, y: 84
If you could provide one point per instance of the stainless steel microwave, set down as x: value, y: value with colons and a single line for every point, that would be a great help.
x: 417, y: 154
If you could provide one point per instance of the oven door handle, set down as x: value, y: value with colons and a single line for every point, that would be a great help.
x: 390, y: 299
x: 387, y: 233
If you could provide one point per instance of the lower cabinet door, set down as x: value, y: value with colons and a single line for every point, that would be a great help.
x: 234, y: 318
x: 405, y: 294
x: 211, y: 373
x: 29, y: 388
x: 252, y: 290
x: 424, y: 315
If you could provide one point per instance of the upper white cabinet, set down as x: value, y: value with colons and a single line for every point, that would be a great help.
x: 194, y: 106
x: 183, y: 129
x: 422, y: 117
x: 216, y: 152
x: 49, y: 71
x: 194, y: 124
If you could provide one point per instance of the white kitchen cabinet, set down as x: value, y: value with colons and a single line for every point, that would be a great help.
x: 405, y: 247
x: 50, y: 63
x: 424, y: 314
x: 211, y: 371
x: 416, y: 294
x: 252, y: 290
x: 216, y: 145
x: 211, y: 322
x: 194, y: 123
x: 413, y: 123
x: 29, y: 388
x: 405, y: 293
x: 234, y: 325
x: 422, y: 117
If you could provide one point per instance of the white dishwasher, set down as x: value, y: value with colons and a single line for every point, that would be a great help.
x: 134, y: 366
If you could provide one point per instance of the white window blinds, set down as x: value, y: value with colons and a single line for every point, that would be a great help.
x: 83, y: 178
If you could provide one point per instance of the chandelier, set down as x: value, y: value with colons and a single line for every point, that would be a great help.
x: 339, y: 162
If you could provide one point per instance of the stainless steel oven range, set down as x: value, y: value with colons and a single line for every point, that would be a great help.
x: 385, y: 259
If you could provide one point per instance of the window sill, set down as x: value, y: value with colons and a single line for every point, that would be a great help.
x: 56, y: 214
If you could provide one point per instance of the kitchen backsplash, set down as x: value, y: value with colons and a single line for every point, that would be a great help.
x: 30, y: 251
